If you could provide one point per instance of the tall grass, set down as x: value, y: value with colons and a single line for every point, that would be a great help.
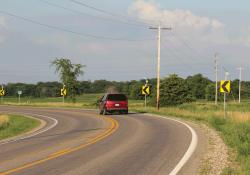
x: 16, y: 124
x: 4, y: 121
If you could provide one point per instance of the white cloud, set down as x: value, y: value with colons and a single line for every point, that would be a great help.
x: 245, y: 36
x: 201, y: 32
x: 2, y: 21
x: 178, y: 19
x: 2, y: 27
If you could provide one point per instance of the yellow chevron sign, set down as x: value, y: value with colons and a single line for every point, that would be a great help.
x: 145, y: 90
x: 225, y: 86
x: 63, y: 92
x: 2, y: 92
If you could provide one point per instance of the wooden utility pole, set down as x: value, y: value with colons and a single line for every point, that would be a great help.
x: 159, y: 28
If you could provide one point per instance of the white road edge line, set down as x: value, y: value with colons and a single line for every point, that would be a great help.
x: 55, y: 122
x: 191, y: 148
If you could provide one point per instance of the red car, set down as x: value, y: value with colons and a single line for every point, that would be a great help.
x: 110, y: 103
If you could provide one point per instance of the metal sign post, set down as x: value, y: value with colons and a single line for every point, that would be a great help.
x: 146, y: 94
x: 2, y: 94
x: 225, y: 87
x: 19, y: 96
x: 145, y: 91
x: 63, y: 92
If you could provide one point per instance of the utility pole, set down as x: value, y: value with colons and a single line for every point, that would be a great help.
x: 146, y: 84
x: 240, y: 78
x: 159, y: 28
x: 216, y: 78
x: 225, y: 94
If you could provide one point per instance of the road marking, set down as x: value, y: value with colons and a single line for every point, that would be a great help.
x: 55, y: 122
x: 60, y: 152
x: 114, y: 126
x: 191, y: 148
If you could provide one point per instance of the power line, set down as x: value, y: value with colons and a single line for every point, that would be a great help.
x: 86, y: 14
x: 180, y: 53
x: 107, y: 12
x: 186, y: 44
x: 65, y: 30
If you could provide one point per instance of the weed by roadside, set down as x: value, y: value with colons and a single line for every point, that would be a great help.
x: 4, y: 121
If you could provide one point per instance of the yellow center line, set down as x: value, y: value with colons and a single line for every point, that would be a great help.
x: 38, y: 152
x: 61, y: 151
x: 114, y: 126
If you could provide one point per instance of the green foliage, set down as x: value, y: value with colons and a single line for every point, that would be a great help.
x: 174, y: 91
x: 100, y: 86
x: 210, y: 92
x: 68, y: 74
x: 197, y: 85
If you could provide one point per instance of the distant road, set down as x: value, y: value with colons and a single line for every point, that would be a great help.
x: 82, y: 142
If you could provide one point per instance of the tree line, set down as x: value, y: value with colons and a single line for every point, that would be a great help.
x: 174, y: 89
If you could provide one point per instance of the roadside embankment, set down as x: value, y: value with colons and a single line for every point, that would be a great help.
x: 12, y: 125
x: 234, y: 130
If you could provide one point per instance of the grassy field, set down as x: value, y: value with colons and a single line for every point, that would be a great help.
x: 234, y: 128
x: 85, y: 98
x: 83, y: 101
x: 12, y: 125
x: 89, y: 101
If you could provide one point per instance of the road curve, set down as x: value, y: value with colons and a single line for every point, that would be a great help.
x: 83, y: 142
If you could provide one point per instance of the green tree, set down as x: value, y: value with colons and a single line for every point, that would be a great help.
x: 68, y: 74
x: 135, y: 89
x: 210, y: 92
x: 197, y: 85
x: 174, y: 91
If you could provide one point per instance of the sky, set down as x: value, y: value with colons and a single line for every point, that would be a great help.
x: 112, y: 38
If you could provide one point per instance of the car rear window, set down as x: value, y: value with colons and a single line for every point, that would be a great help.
x: 116, y: 97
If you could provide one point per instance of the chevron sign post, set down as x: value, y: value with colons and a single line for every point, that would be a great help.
x: 225, y: 87
x: 145, y: 90
x: 2, y: 93
x: 63, y: 92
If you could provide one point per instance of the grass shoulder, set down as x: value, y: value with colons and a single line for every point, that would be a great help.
x: 13, y: 125
x: 234, y: 129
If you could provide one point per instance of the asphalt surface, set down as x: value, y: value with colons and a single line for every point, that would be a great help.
x: 79, y: 142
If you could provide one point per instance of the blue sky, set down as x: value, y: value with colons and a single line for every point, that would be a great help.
x: 200, y: 29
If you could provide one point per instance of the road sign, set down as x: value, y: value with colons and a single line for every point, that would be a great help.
x: 19, y: 92
x: 145, y: 90
x: 2, y: 92
x: 225, y: 86
x: 63, y: 92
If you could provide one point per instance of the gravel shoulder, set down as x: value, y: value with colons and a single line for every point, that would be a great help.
x: 217, y: 156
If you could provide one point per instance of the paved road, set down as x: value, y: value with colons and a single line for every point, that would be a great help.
x: 82, y: 142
